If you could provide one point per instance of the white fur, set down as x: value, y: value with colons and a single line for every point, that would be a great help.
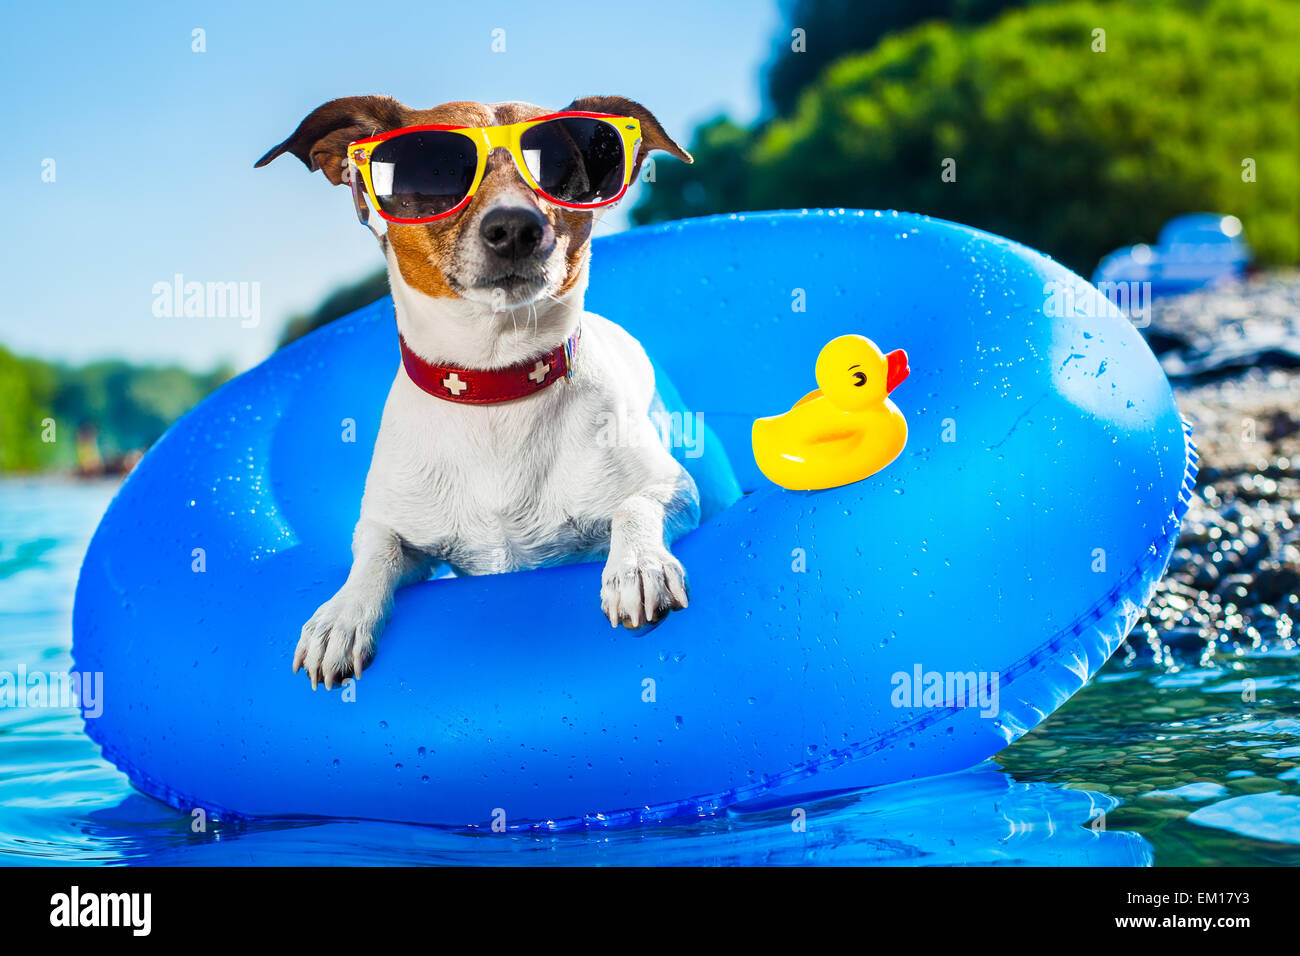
x: 522, y: 484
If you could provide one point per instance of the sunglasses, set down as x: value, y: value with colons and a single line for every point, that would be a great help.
x: 424, y: 173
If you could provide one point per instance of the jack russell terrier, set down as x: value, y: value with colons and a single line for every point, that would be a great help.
x: 491, y: 455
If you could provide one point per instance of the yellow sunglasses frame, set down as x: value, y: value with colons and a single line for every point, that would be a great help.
x: 486, y: 139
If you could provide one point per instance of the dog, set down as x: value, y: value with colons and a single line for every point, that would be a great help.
x: 494, y: 294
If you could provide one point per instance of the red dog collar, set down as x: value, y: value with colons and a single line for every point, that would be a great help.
x: 480, y: 386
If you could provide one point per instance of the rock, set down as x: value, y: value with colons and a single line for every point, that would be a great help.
x: 1273, y: 583
x: 1234, y: 578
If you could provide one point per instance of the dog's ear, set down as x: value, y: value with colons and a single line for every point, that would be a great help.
x: 652, y: 132
x: 321, y: 139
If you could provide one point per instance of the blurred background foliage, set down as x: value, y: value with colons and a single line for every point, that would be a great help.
x: 835, y: 28
x: 1057, y: 144
x: 101, y: 414
x: 1071, y: 151
x: 337, y: 304
x: 26, y: 388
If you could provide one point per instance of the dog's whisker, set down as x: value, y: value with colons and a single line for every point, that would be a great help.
x: 609, y: 228
x: 558, y: 301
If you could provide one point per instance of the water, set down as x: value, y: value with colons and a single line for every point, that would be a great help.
x: 1151, y: 763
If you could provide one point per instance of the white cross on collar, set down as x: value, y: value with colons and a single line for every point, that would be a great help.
x: 453, y: 384
x: 539, y: 372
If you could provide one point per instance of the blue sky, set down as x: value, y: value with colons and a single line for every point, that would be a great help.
x: 153, y: 144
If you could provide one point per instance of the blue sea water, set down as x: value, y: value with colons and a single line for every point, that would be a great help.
x: 1147, y: 765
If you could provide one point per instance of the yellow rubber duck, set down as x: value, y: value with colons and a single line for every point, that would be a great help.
x: 842, y: 432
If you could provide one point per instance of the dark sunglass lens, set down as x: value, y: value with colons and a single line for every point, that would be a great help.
x: 575, y: 159
x: 417, y: 175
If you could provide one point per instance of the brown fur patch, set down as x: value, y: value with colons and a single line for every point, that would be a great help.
x: 419, y: 250
x: 575, y: 256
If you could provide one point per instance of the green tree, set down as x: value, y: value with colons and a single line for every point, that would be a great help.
x: 833, y: 28
x: 1069, y: 150
x: 25, y: 390
x: 129, y: 406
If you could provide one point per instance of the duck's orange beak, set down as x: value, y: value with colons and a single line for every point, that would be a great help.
x: 895, y: 369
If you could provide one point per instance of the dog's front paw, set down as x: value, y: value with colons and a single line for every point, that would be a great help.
x: 339, y: 640
x: 641, y: 589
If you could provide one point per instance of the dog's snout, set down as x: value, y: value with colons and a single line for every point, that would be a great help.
x: 514, y: 232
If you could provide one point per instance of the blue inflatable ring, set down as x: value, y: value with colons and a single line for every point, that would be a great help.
x: 1014, y: 541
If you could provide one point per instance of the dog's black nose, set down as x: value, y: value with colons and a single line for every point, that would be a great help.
x: 513, y: 232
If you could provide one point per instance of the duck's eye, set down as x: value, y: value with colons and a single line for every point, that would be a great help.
x: 859, y: 379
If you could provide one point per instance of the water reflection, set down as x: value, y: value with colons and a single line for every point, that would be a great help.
x: 978, y: 817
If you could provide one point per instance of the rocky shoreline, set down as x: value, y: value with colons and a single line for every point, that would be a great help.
x: 1233, y: 355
